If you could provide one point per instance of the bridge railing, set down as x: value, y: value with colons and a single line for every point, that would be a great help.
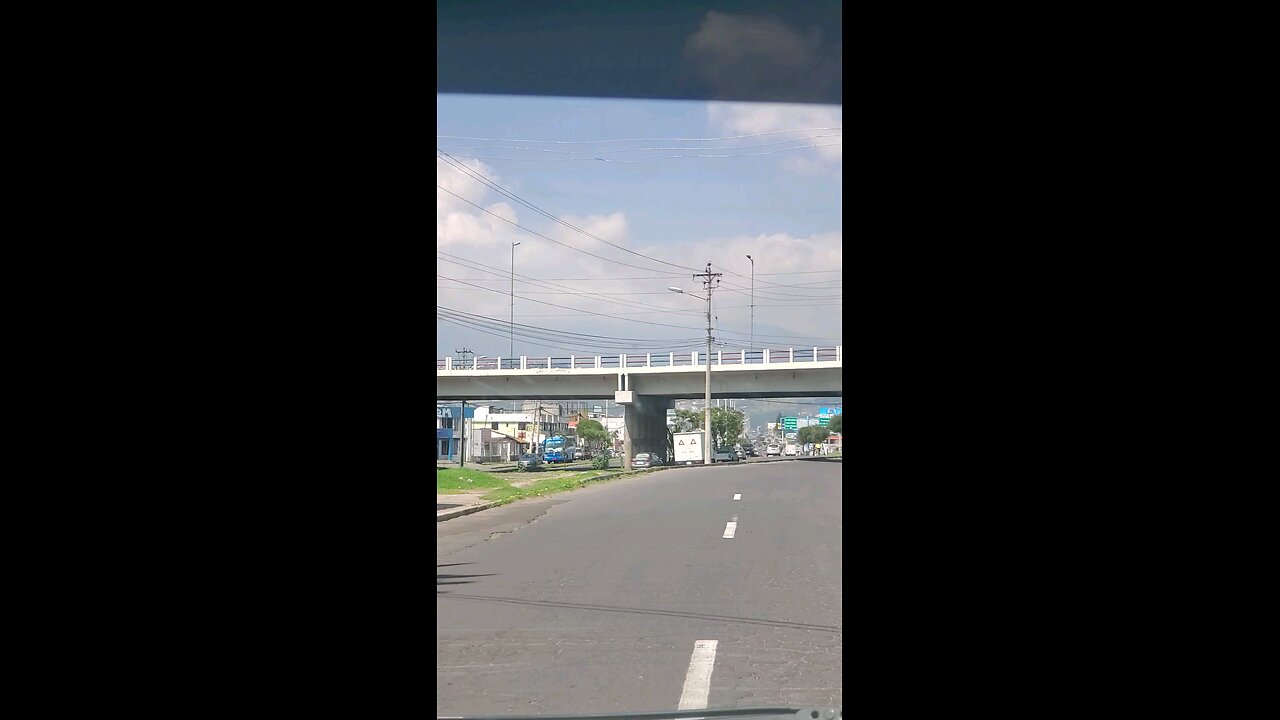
x: 765, y: 356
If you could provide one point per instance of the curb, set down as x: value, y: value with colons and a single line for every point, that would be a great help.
x: 459, y: 512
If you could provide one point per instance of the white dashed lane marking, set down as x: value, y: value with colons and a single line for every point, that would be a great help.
x: 731, y: 527
x: 737, y: 496
x: 697, y: 682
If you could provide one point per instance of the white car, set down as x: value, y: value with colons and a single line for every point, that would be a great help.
x: 771, y: 451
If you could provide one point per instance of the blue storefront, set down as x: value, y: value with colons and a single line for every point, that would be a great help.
x: 449, y: 431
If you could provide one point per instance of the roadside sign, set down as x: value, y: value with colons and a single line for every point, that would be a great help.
x: 823, y: 421
x: 788, y: 423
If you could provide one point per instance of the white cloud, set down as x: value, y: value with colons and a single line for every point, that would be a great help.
x: 748, y: 118
x: 485, y: 242
x: 611, y: 227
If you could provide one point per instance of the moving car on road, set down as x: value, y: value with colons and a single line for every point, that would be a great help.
x: 724, y: 454
x: 645, y: 460
x: 528, y: 461
x: 772, y: 450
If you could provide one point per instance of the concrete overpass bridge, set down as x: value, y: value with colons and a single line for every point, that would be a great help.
x: 646, y: 384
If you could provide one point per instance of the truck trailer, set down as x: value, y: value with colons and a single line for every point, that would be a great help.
x: 687, y: 448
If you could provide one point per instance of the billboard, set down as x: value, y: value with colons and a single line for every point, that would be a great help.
x: 828, y: 411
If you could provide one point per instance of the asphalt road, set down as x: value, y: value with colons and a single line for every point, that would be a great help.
x: 592, y: 601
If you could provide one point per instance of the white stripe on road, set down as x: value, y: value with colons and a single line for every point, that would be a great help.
x: 697, y: 682
x: 737, y: 496
x: 730, y: 528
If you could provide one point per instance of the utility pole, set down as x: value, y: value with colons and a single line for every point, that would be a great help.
x: 462, y: 446
x: 709, y: 283
x: 464, y: 352
x: 752, y: 345
x: 511, y: 351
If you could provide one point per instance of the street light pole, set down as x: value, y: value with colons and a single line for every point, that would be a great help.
x: 752, y: 345
x: 511, y: 350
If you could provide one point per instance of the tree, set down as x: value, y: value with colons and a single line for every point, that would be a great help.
x: 813, y: 434
x: 687, y: 420
x: 725, y: 424
x: 836, y: 424
x: 592, y: 433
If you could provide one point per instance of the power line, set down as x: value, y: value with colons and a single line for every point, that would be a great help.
x: 532, y: 281
x: 766, y: 282
x: 666, y: 157
x: 594, y: 142
x: 787, y: 307
x: 566, y: 307
x: 644, y: 149
x: 504, y: 324
x: 558, y: 332
x: 666, y: 277
x: 491, y: 184
x: 544, y: 237
x: 578, y: 346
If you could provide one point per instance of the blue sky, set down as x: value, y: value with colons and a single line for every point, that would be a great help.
x: 783, y: 208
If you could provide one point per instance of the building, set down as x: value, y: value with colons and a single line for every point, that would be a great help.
x: 448, y: 430
x: 496, y: 434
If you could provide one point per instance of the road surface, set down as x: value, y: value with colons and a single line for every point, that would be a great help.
x: 647, y: 593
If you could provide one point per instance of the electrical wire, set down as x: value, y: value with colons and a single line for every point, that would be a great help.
x: 503, y: 191
x: 573, y: 347
x: 544, y: 237
x: 534, y: 329
x: 643, y: 149
x: 644, y: 322
x: 538, y: 283
x: 667, y: 157
x: 595, y: 142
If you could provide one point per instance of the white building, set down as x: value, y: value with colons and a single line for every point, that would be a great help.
x: 497, y: 434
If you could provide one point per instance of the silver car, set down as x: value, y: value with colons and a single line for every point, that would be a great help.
x: 528, y: 461
x: 724, y: 454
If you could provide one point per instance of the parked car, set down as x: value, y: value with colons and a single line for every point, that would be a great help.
x: 750, y: 450
x: 772, y: 450
x: 528, y: 461
x: 724, y: 454
x: 585, y: 454
x: 742, y: 454
x: 645, y: 460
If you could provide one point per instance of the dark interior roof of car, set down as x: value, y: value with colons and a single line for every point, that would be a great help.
x: 733, y: 50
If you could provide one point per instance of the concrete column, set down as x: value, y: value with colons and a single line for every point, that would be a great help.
x: 646, y: 421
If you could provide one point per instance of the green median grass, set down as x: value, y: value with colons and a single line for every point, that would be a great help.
x: 458, y: 480
x: 502, y: 491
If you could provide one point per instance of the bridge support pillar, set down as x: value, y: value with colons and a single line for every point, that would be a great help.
x: 646, y: 422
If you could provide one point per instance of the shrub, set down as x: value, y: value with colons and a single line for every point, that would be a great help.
x: 600, y: 462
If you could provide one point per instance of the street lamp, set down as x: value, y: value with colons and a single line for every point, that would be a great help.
x: 752, y: 345
x: 706, y: 423
x: 511, y: 350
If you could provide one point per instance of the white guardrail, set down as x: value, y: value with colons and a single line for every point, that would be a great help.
x: 688, y: 359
